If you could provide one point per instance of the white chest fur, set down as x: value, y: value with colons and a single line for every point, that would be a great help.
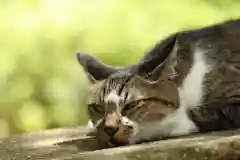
x: 191, y: 91
x: 191, y: 94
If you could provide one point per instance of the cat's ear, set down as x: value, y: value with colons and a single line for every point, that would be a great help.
x: 153, y: 61
x: 167, y: 69
x: 154, y: 75
x: 95, y: 69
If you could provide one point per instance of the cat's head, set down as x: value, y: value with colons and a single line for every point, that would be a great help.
x: 121, y: 100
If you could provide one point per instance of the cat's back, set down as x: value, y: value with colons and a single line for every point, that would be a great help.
x: 219, y: 48
x: 213, y: 32
x: 220, y: 42
x: 220, y: 45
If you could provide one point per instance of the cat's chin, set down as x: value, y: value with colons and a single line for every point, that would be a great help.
x: 117, y: 143
x: 111, y: 142
x: 121, y: 139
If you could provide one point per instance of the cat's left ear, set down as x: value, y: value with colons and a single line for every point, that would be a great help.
x: 153, y: 68
x: 95, y: 69
x: 154, y: 61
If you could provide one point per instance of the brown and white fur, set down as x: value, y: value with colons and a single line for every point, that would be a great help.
x: 205, y: 64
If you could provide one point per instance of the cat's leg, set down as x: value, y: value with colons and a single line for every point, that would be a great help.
x: 175, y: 124
x: 149, y: 132
x: 183, y: 125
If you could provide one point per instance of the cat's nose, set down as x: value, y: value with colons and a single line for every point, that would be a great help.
x: 110, y: 130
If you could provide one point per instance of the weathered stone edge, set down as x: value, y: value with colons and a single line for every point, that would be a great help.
x: 198, y: 148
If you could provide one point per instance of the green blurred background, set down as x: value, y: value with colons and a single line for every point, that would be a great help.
x: 41, y: 84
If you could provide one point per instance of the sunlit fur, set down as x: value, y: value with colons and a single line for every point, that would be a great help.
x: 131, y: 105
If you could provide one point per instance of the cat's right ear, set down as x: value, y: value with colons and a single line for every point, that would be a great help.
x: 95, y: 69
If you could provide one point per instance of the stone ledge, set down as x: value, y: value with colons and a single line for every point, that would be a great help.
x: 70, y: 143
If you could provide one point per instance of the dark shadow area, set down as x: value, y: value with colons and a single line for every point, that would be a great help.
x: 85, y: 144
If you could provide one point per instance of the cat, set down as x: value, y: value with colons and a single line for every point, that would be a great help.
x: 125, y: 103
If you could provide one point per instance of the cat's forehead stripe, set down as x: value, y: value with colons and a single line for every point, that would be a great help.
x: 112, y: 97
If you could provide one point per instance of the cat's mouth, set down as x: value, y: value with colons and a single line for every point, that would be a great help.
x: 114, y: 136
x: 121, y: 139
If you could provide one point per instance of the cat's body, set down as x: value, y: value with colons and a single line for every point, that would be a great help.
x: 203, y: 63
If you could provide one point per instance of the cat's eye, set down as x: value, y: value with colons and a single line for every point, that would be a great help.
x: 96, y: 108
x: 128, y: 106
x: 132, y: 105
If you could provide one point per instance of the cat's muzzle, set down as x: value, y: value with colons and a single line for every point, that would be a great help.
x: 117, y: 134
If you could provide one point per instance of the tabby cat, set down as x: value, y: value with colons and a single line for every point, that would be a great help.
x: 200, y: 93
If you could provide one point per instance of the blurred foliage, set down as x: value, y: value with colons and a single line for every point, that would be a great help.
x: 41, y: 84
